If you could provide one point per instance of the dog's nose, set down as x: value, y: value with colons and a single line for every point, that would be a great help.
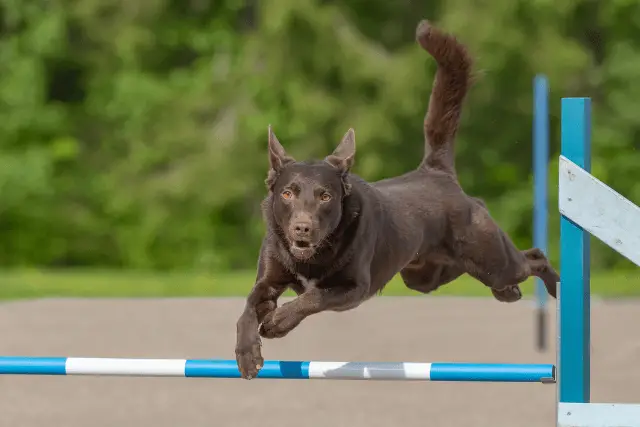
x: 302, y: 228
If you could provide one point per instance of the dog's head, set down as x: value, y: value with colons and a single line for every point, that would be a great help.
x: 307, y: 197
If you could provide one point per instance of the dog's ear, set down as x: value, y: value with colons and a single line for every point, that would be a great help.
x: 343, y: 157
x: 278, y: 158
x: 344, y: 154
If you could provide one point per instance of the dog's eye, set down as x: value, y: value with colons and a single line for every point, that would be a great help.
x: 325, y: 197
x: 287, y: 194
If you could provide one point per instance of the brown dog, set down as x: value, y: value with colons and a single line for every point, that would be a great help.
x: 336, y: 239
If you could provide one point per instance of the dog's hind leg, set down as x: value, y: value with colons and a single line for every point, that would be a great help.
x: 491, y: 257
x: 537, y: 265
x: 429, y: 276
x: 501, y: 267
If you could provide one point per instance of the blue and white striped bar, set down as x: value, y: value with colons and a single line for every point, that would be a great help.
x: 277, y: 369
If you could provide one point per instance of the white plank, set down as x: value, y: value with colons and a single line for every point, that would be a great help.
x: 599, y: 209
x: 598, y: 415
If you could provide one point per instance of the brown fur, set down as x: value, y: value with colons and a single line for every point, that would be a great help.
x: 336, y: 240
x: 452, y: 80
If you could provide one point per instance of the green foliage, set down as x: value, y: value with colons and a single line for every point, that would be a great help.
x: 134, y: 133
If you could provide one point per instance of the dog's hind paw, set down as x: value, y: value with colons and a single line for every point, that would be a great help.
x: 508, y: 294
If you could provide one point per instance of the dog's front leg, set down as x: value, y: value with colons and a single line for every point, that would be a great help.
x: 272, y: 280
x: 248, y: 355
x: 283, y: 319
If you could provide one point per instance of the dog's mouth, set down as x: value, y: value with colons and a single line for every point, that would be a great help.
x: 302, y: 249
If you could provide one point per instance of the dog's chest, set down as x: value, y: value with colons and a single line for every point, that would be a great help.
x: 306, y: 282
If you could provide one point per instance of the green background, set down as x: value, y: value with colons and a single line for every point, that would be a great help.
x: 133, y: 139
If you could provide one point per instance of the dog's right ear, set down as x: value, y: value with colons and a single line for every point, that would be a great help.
x: 278, y: 158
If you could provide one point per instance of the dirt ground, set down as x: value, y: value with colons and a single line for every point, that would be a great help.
x: 425, y: 329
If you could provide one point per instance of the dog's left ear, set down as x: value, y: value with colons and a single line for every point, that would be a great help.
x: 344, y: 154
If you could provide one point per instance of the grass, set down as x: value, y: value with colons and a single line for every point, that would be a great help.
x: 112, y: 284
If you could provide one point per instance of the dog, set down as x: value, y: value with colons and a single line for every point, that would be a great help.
x: 337, y: 240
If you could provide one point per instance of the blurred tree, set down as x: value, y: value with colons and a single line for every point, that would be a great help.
x: 134, y: 133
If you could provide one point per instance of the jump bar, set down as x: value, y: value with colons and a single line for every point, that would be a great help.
x: 278, y: 369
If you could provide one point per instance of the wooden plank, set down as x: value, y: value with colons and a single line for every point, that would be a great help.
x: 600, y: 210
x: 598, y: 415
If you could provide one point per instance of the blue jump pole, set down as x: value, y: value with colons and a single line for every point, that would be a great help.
x: 574, y: 361
x: 540, y: 205
x: 278, y: 369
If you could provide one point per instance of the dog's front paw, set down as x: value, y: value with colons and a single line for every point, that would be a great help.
x: 279, y: 322
x: 248, y: 352
x: 508, y: 294
x: 249, y: 359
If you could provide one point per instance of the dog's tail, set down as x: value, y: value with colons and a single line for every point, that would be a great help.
x: 452, y: 80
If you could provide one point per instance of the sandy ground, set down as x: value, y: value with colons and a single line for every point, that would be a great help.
x: 384, y: 329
